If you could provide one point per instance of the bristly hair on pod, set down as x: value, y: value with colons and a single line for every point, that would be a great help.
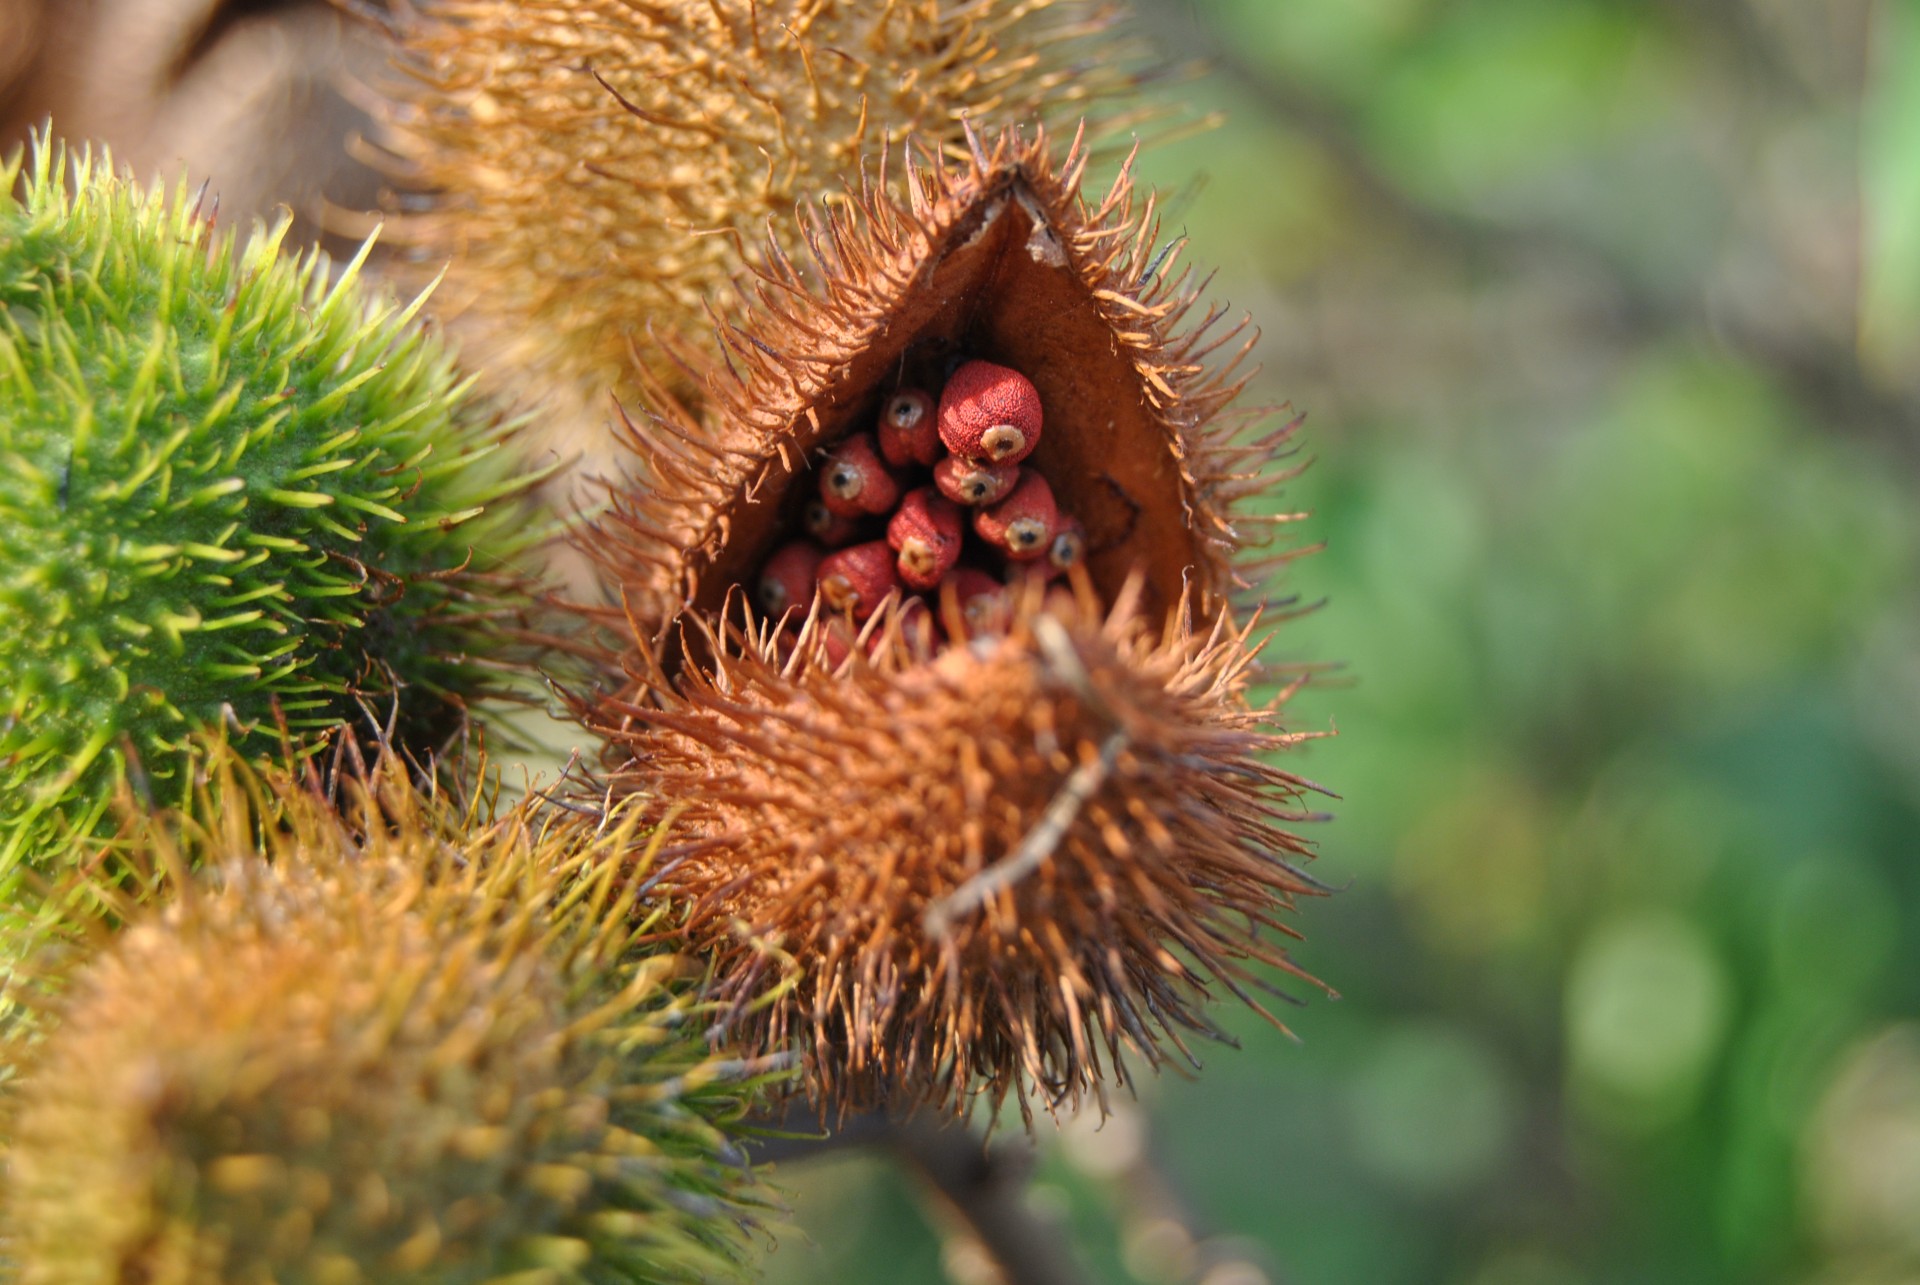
x: 382, y: 1036
x: 985, y: 862
x: 1014, y: 824
x: 600, y: 169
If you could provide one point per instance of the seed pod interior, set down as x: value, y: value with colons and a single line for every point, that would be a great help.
x: 1000, y: 260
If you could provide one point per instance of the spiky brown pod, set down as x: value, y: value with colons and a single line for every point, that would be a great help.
x: 598, y: 168
x: 981, y: 861
x: 1028, y: 830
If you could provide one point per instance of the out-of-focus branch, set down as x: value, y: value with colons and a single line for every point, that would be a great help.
x: 986, y: 1186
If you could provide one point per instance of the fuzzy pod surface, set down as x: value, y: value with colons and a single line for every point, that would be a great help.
x: 600, y: 169
x: 1009, y: 854
x: 232, y: 492
x: 982, y: 860
x: 412, y: 1046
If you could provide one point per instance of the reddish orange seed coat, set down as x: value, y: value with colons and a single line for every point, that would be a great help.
x: 858, y: 578
x: 1022, y: 525
x: 786, y: 581
x: 926, y: 531
x: 1069, y: 545
x: 855, y: 482
x: 972, y: 482
x: 990, y: 412
x: 827, y: 527
x: 981, y: 600
x: 909, y: 429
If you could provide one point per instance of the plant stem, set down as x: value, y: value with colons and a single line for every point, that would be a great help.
x: 986, y: 1186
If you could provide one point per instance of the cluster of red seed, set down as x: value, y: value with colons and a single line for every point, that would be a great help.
x: 921, y: 473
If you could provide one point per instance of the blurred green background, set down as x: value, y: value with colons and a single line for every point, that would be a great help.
x: 1606, y: 317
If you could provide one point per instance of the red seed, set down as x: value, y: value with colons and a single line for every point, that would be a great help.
x: 971, y: 482
x: 854, y: 482
x: 1069, y: 545
x: 909, y: 429
x: 827, y: 527
x: 856, y: 579
x: 990, y: 412
x: 1022, y: 525
x: 786, y: 581
x: 980, y: 599
x: 926, y: 531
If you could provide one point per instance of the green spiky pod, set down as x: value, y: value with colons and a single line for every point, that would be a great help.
x: 413, y: 1046
x: 233, y: 491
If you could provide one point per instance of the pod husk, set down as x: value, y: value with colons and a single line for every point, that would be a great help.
x: 1001, y: 866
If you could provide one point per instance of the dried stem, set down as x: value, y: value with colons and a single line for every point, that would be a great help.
x: 986, y: 1186
x: 983, y: 1186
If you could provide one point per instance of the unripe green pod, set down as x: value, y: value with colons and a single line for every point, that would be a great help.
x: 233, y: 492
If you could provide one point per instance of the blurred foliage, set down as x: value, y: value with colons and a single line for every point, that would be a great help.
x: 1606, y: 316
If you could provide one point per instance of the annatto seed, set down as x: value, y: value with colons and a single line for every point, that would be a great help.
x: 909, y: 429
x: 990, y: 412
x: 973, y: 483
x: 858, y: 578
x: 786, y: 581
x: 927, y: 532
x: 854, y: 482
x: 1022, y: 525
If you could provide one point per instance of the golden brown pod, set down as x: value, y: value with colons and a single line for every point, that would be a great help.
x: 997, y: 868
x: 383, y: 1037
x: 598, y: 168
x: 1002, y: 847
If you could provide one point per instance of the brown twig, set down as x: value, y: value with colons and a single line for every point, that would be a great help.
x: 986, y: 1186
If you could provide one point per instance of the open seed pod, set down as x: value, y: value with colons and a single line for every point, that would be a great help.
x: 1006, y: 826
x: 597, y: 169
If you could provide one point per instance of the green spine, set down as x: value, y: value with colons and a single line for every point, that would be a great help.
x: 233, y: 491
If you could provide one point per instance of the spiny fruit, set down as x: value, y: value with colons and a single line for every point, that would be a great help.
x: 598, y: 168
x: 231, y: 492
x: 987, y: 861
x: 411, y: 1045
x: 1008, y: 827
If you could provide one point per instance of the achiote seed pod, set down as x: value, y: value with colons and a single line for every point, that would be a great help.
x: 596, y: 166
x: 984, y: 859
x: 403, y: 1043
x: 1002, y: 839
